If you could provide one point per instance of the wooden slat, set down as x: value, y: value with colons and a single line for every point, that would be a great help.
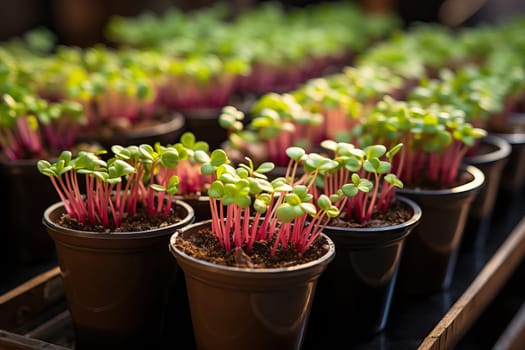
x: 57, y: 329
x: 479, y: 294
x: 513, y: 338
x: 11, y: 341
x: 27, y: 301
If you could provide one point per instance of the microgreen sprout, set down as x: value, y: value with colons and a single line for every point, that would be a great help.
x: 358, y: 181
x: 136, y: 175
x: 246, y: 207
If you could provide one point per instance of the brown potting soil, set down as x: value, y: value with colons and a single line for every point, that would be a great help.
x: 141, y: 221
x: 398, y: 213
x: 205, y: 246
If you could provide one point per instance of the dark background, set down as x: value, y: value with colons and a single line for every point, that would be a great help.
x: 81, y: 22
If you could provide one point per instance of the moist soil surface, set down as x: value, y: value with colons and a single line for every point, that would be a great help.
x: 203, y: 245
x: 398, y: 213
x: 141, y: 221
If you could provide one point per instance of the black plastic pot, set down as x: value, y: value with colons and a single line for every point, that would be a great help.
x: 240, y: 308
x: 513, y: 131
x: 431, y: 250
x: 200, y: 205
x: 116, y: 284
x: 25, y: 196
x: 512, y: 182
x: 165, y: 129
x: 204, y: 124
x: 491, y: 158
x: 513, y: 177
x: 179, y: 316
x: 353, y: 296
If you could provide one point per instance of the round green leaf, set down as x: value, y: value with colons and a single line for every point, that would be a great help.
x: 265, y: 167
x: 285, y: 212
x: 188, y: 139
x: 309, y: 208
x: 169, y: 158
x: 293, y: 199
x: 207, y: 169
x: 218, y: 157
x: 350, y: 190
x: 375, y: 151
x: 324, y: 202
x: 216, y: 190
x: 201, y: 156
x: 295, y: 153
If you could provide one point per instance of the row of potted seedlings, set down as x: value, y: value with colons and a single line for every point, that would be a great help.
x: 437, y: 130
x: 215, y: 60
x: 477, y: 70
x: 31, y: 128
x: 263, y: 247
x: 290, y: 212
x: 49, y: 105
x: 282, y: 47
x: 128, y: 88
x: 429, y: 165
x: 327, y: 194
x: 436, y: 124
x: 124, y: 92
